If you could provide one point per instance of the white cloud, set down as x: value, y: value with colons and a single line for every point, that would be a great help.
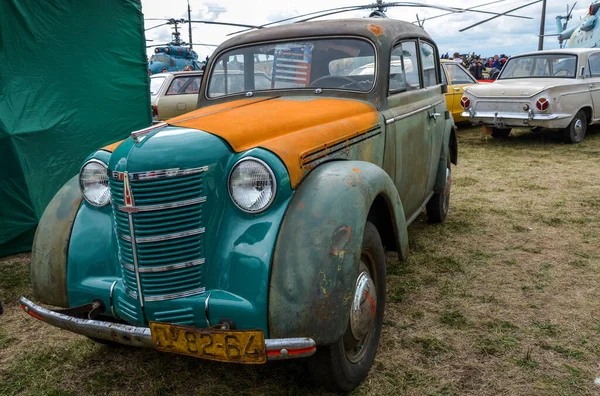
x: 502, y: 35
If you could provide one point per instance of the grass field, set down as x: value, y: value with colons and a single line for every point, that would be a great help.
x: 503, y: 298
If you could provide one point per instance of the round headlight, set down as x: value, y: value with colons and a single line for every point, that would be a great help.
x: 93, y: 181
x: 252, y: 185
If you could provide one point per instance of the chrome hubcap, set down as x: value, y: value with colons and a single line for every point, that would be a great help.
x: 578, y: 127
x: 364, y: 306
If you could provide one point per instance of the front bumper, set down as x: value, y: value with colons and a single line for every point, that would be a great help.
x: 516, y: 120
x: 277, y: 349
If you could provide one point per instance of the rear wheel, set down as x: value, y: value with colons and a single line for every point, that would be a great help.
x: 500, y: 133
x: 342, y: 366
x: 439, y: 204
x: 575, y: 132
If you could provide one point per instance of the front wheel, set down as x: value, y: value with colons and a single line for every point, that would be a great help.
x: 500, y: 133
x: 575, y: 132
x: 342, y: 366
x: 439, y: 204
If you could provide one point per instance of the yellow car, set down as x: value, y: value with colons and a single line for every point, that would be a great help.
x: 457, y: 78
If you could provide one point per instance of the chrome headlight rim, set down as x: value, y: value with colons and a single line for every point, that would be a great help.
x: 273, y: 178
x: 105, y: 166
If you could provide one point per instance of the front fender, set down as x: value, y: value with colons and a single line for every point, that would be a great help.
x: 51, y: 243
x: 319, y: 245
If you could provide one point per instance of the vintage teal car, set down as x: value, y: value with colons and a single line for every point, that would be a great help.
x: 254, y: 227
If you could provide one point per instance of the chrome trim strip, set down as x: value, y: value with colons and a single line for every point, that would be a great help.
x: 158, y: 174
x: 135, y: 261
x: 131, y: 294
x: 110, y: 298
x: 164, y: 268
x: 421, y: 209
x: 409, y: 114
x: 150, y: 208
x: 206, y: 311
x: 141, y: 336
x: 175, y: 295
x: 167, y: 237
x: 513, y: 116
x: 124, y: 237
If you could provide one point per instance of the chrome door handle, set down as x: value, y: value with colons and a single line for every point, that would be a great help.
x: 592, y: 85
x: 434, y: 116
x: 456, y: 89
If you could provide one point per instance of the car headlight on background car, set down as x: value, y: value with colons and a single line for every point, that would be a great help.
x: 252, y: 185
x: 93, y: 181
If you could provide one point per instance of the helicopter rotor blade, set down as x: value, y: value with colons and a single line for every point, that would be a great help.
x: 154, y: 27
x: 452, y: 10
x: 157, y: 45
x: 332, y: 13
x: 295, y: 17
x: 206, y: 45
x: 499, y: 15
x: 450, y: 13
x: 227, y: 24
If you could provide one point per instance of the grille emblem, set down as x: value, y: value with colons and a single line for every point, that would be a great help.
x: 127, y: 194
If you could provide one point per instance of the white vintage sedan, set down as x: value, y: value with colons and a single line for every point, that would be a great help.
x: 557, y: 89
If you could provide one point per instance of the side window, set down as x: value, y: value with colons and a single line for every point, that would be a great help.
x: 444, y: 78
x: 184, y: 85
x: 428, y: 62
x: 459, y: 76
x: 404, y: 72
x: 594, y: 65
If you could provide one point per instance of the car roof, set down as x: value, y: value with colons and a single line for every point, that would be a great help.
x: 566, y: 51
x: 370, y: 28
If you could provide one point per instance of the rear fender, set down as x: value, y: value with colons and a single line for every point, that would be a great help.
x: 319, y: 245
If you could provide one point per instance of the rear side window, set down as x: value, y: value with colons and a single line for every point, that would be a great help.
x: 404, y: 69
x: 428, y: 63
x: 184, y: 85
x: 458, y: 75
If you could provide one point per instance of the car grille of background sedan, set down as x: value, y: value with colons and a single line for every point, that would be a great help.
x: 158, y: 219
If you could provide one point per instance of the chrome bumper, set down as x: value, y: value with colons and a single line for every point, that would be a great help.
x: 500, y: 119
x: 277, y: 349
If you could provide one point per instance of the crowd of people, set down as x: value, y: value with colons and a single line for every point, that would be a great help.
x: 477, y: 65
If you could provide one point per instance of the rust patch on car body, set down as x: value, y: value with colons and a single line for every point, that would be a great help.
x: 290, y: 128
x: 376, y: 29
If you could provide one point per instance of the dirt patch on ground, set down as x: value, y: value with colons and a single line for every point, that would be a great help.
x: 503, y: 298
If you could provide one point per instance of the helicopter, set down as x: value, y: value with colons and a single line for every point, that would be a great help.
x: 178, y: 55
x: 584, y: 35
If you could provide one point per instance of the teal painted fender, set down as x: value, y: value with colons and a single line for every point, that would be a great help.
x: 51, y: 243
x: 316, y: 257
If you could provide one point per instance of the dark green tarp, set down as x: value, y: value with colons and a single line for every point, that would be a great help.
x: 73, y: 78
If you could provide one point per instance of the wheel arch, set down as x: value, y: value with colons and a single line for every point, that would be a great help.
x: 319, y: 243
x: 588, y: 113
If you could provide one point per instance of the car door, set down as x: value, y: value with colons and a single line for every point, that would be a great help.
x: 436, y: 115
x: 181, y: 97
x: 458, y: 79
x: 594, y: 82
x: 407, y: 127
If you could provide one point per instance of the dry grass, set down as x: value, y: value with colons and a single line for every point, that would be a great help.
x: 501, y: 299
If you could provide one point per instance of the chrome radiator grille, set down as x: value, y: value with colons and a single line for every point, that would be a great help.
x: 158, y: 218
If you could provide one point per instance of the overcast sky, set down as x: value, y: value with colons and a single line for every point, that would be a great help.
x: 502, y: 35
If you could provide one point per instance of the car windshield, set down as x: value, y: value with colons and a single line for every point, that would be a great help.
x: 540, y: 66
x: 319, y: 63
x: 155, y: 84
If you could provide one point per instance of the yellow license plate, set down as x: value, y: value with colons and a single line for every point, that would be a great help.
x: 239, y: 346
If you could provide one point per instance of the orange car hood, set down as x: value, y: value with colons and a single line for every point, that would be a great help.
x: 289, y: 127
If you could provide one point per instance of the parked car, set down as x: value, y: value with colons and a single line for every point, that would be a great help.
x: 254, y: 228
x: 546, y: 89
x: 457, y: 78
x: 175, y: 93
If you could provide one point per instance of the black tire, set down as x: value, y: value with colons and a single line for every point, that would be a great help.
x: 342, y: 366
x: 500, y: 133
x: 439, y: 204
x: 575, y: 132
